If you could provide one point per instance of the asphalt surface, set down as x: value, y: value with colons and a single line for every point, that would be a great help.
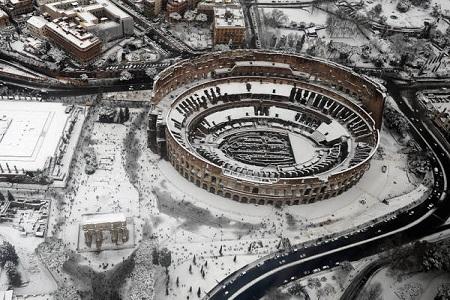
x: 253, y: 281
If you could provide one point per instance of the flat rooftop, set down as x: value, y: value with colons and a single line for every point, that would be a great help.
x: 30, y: 133
x: 104, y: 218
x: 228, y: 17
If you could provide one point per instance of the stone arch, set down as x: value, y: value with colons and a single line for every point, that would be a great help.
x: 236, y: 197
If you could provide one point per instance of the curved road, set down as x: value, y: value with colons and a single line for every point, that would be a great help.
x: 254, y: 280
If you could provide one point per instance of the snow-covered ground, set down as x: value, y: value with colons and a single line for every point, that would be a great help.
x: 105, y: 191
x: 418, y: 286
x: 414, y: 17
x: 192, y: 222
x: 37, y: 280
x: 197, y: 37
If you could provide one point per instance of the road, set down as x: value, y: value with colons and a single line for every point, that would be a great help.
x: 254, y: 280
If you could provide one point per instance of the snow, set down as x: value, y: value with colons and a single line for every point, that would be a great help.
x: 38, y: 279
x: 105, y: 191
x: 411, y: 285
x: 414, y: 17
x: 32, y: 135
x: 104, y: 218
x: 37, y: 22
x: 307, y: 15
x: 191, y: 221
x: 332, y: 131
x: 302, y: 148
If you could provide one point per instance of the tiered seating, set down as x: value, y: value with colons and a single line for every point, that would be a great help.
x: 362, y: 151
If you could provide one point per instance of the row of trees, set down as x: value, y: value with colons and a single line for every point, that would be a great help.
x: 9, y: 261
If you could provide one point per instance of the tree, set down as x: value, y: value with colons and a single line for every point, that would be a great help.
x: 220, y: 251
x: 8, y: 253
x: 378, y: 9
x: 151, y: 72
x: 10, y: 196
x: 436, y: 10
x: 443, y: 293
x: 84, y: 77
x: 178, y: 282
x: 121, y: 116
x: 126, y: 114
x: 165, y: 258
x: 155, y: 256
x: 13, y: 276
x: 201, y: 18
x: 125, y: 75
x: 194, y: 261
x: 175, y: 16
x: 234, y: 259
x: 403, y: 6
x: 199, y: 292
x: 371, y: 292
x: 190, y: 269
x: 56, y: 54
x: 189, y: 15
x: 277, y: 18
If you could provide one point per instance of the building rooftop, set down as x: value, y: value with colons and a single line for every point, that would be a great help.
x: 30, y: 133
x: 86, y: 11
x: 37, y: 21
x: 104, y: 218
x: 228, y: 17
x: 73, y: 34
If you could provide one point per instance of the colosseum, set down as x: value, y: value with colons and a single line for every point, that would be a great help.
x: 264, y: 127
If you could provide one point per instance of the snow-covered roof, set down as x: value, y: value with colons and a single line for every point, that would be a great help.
x: 78, y: 38
x: 86, y: 12
x: 228, y: 17
x: 104, y: 218
x: 37, y: 22
x: 30, y: 133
